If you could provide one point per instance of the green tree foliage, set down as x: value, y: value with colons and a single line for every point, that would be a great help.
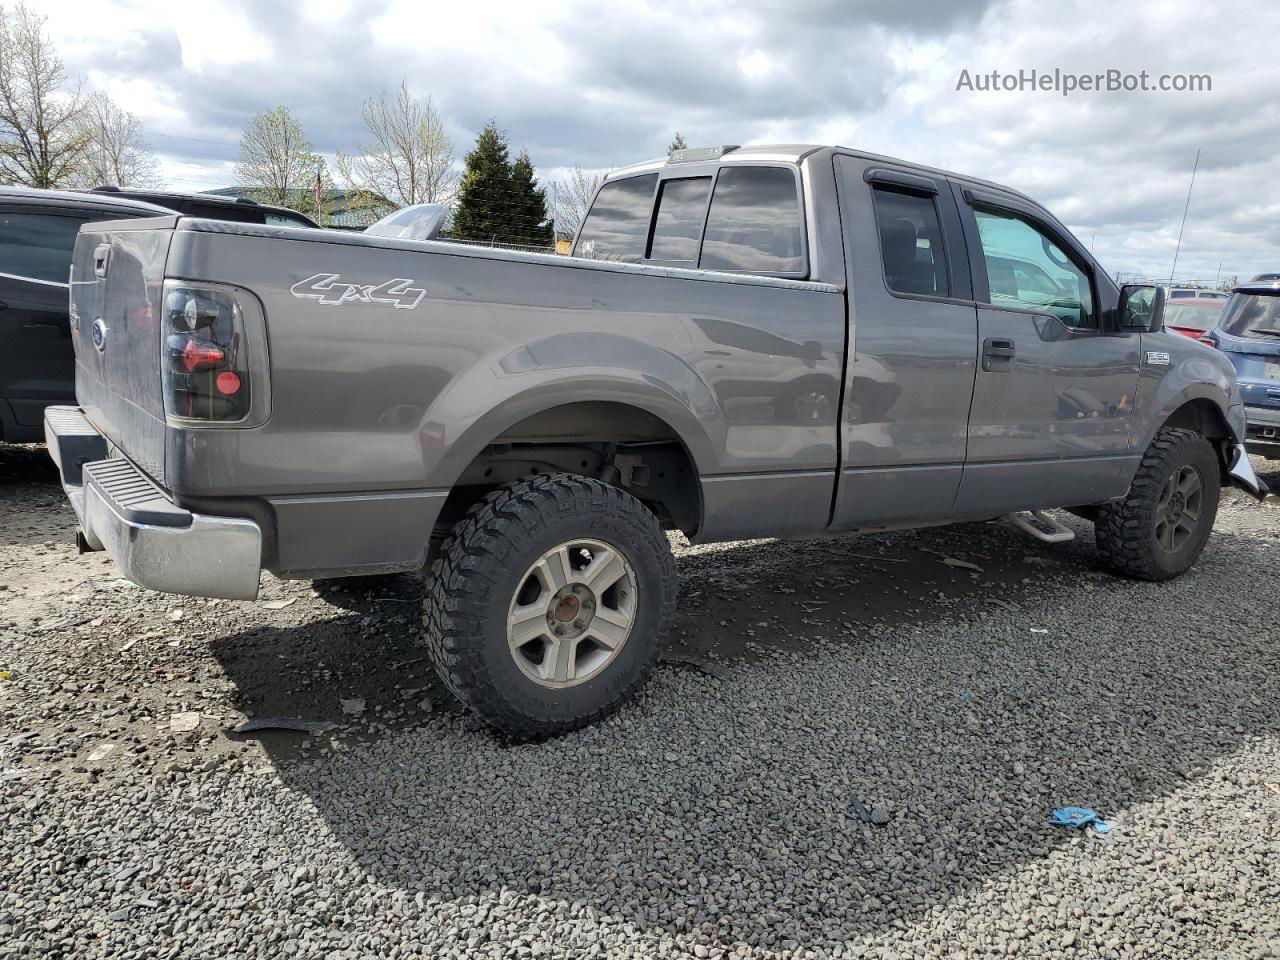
x: 499, y: 201
x: 534, y: 226
x: 278, y: 164
x: 678, y: 143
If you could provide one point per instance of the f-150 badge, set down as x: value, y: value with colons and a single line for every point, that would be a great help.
x: 1157, y: 358
x: 331, y: 290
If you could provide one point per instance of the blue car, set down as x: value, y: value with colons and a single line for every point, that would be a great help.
x: 1248, y: 332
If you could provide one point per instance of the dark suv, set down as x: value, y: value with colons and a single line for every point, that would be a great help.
x: 213, y: 207
x: 37, y: 233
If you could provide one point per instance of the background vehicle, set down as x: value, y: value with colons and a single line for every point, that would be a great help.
x: 767, y: 341
x: 237, y: 210
x: 37, y: 232
x: 1249, y: 334
x: 1193, y: 316
x: 1190, y: 293
x: 1266, y: 278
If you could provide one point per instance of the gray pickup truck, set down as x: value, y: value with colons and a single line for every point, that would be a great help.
x: 778, y: 341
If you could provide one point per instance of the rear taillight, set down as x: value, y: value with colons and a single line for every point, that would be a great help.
x: 206, y: 360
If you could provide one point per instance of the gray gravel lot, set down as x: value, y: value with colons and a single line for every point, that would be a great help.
x: 865, y: 770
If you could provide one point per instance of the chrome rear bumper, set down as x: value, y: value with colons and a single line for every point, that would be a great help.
x: 156, y: 543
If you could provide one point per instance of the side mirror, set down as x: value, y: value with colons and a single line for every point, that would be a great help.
x: 1142, y: 307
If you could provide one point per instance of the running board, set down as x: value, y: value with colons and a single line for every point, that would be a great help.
x: 1041, y: 526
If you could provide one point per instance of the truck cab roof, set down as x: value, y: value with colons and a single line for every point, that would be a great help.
x: 796, y: 153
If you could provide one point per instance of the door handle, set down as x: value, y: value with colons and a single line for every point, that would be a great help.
x: 997, y: 354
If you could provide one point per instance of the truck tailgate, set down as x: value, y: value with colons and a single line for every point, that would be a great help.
x: 117, y: 276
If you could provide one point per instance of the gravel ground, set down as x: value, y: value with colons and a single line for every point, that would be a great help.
x: 853, y: 754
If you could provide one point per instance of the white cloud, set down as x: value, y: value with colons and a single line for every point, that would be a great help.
x: 604, y: 85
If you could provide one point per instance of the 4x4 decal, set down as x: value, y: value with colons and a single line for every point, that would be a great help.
x: 331, y: 290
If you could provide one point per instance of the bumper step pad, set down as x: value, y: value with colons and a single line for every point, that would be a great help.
x: 133, y: 495
x: 72, y: 442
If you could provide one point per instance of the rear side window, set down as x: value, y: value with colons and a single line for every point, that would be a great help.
x: 682, y: 206
x: 1028, y: 270
x: 1250, y: 315
x: 754, y: 224
x: 911, y: 243
x: 282, y: 220
x: 617, y: 227
x: 36, y: 246
x: 222, y: 211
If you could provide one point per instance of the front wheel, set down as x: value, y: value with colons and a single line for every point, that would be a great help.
x: 548, y: 603
x: 1161, y: 526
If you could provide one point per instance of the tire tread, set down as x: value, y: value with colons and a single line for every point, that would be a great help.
x: 459, y: 591
x: 1122, y: 528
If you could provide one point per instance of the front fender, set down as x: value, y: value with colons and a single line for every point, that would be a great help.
x: 1196, y: 373
x: 503, y: 388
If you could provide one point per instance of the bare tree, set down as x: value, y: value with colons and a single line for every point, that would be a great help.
x: 116, y: 154
x: 278, y: 164
x: 571, y: 198
x: 42, y: 139
x: 410, y: 158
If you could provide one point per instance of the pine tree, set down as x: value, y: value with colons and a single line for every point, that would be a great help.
x: 678, y: 143
x: 533, y: 223
x: 486, y: 206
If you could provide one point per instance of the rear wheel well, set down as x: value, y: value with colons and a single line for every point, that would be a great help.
x: 1206, y: 418
x: 623, y: 446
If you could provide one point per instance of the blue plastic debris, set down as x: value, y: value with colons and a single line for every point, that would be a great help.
x: 1079, y: 817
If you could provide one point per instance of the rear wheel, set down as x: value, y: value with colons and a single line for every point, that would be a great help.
x: 548, y: 603
x: 1161, y: 526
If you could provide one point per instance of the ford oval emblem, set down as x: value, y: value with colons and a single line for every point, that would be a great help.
x: 99, y: 334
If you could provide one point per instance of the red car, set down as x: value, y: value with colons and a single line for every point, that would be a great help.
x: 1192, y: 316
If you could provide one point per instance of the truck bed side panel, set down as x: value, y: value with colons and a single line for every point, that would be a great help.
x: 400, y: 390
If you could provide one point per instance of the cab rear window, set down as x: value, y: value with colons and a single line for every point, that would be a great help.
x: 682, y: 206
x: 617, y: 228
x: 1253, y: 316
x: 755, y: 224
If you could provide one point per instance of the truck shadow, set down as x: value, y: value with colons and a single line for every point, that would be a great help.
x: 874, y: 673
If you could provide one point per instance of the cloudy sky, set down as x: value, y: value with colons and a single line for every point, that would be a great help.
x: 603, y: 85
